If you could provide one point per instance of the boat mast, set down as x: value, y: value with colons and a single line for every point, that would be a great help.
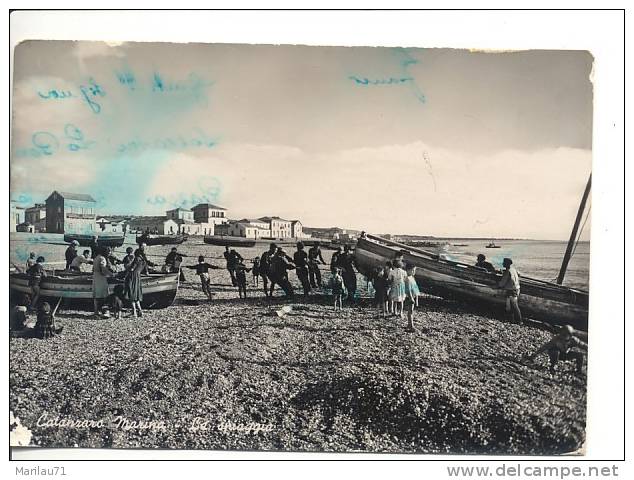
x: 573, y: 234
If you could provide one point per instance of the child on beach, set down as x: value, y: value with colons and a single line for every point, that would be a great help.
x: 45, y: 326
x: 31, y: 260
x: 396, y: 280
x: 36, y: 273
x: 114, y: 302
x: 241, y: 278
x: 411, y: 298
x: 256, y: 271
x: 338, y: 288
x: 202, y: 270
x: 381, y: 290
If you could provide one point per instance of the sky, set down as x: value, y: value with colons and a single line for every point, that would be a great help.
x: 388, y: 140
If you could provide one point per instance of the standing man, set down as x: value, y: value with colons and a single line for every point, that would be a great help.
x: 232, y: 257
x: 510, y: 283
x: 300, y: 258
x: 280, y: 265
x: 335, y: 260
x: 349, y: 275
x: 265, y: 266
x: 71, y: 253
x: 314, y: 257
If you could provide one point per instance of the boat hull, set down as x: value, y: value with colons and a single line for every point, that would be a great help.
x: 161, y: 240
x: 159, y: 290
x: 540, y: 300
x: 102, y: 241
x: 228, y: 241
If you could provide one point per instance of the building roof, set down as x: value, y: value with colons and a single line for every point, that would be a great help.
x: 179, y: 208
x: 180, y: 221
x: 149, y: 220
x: 268, y: 219
x: 37, y: 206
x: 295, y: 221
x: 210, y: 205
x: 84, y: 197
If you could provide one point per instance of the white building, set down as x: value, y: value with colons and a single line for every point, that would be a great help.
x: 244, y: 229
x: 111, y: 225
x: 209, y: 213
x: 279, y: 227
x: 156, y: 225
x: 36, y: 216
x: 181, y: 214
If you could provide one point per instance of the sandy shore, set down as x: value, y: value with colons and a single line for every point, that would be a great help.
x: 231, y: 374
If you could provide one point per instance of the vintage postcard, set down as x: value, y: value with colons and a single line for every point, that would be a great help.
x: 299, y: 248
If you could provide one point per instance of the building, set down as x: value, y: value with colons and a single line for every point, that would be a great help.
x: 113, y: 224
x: 156, y: 225
x: 279, y: 227
x: 36, y: 216
x: 264, y: 230
x: 181, y: 214
x: 244, y: 229
x: 297, y: 230
x: 17, y: 216
x: 70, y: 213
x: 209, y: 213
x: 193, y: 228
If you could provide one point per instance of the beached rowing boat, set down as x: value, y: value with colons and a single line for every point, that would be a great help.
x: 106, y: 240
x: 161, y: 239
x: 229, y: 241
x: 545, y: 301
x: 159, y: 289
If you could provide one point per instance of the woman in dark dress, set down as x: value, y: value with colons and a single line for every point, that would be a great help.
x: 133, y: 290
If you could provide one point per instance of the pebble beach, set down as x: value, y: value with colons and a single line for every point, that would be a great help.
x: 232, y: 374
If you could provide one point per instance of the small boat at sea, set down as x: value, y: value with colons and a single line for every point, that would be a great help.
x: 460, y: 244
x: 159, y: 289
x: 150, y: 239
x: 492, y: 245
x: 229, y: 241
x: 87, y: 240
x: 539, y: 299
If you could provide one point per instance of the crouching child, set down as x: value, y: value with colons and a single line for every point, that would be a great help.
x: 114, y: 303
x: 45, y: 326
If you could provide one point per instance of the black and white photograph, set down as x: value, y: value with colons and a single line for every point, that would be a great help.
x: 300, y: 248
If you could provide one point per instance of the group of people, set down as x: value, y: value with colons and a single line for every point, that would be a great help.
x: 396, y: 290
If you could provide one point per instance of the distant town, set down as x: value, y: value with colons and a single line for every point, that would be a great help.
x: 75, y: 213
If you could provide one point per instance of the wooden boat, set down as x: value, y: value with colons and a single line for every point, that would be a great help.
x: 492, y: 245
x: 159, y: 289
x: 539, y: 299
x: 87, y: 240
x: 229, y: 241
x: 150, y: 239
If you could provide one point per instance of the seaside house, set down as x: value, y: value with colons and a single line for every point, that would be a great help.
x: 17, y: 216
x: 244, y: 229
x: 36, y: 216
x: 153, y: 224
x: 297, y: 230
x: 70, y: 213
x: 279, y: 227
x: 209, y: 213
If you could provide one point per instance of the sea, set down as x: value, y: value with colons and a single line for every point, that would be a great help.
x: 533, y: 258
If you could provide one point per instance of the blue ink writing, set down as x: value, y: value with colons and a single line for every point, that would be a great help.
x: 89, y: 94
x: 47, y: 143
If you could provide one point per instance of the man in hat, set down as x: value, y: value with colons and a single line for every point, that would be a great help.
x: 346, y: 261
x: 300, y: 258
x: 560, y: 347
x: 510, y: 283
x: 71, y: 253
x: 482, y: 263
